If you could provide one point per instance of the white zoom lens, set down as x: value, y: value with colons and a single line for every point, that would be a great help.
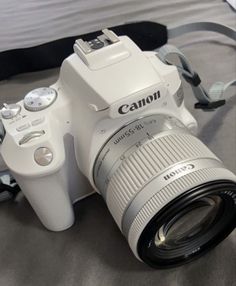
x: 170, y: 195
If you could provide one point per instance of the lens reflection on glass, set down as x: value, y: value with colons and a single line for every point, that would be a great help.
x: 188, y: 223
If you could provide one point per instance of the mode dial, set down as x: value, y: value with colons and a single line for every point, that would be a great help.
x: 40, y: 98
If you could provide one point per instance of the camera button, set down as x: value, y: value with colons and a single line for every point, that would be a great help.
x: 23, y: 127
x: 43, y: 156
x: 37, y: 121
x: 31, y: 135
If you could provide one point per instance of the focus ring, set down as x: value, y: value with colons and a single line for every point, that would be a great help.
x: 146, y: 163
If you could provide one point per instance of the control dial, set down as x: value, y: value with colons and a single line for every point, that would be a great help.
x: 40, y: 98
x: 9, y: 111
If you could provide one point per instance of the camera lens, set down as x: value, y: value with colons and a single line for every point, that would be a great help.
x: 189, y: 226
x: 190, y: 222
x: 170, y: 195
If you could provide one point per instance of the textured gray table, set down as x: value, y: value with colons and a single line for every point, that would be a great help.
x: 94, y: 252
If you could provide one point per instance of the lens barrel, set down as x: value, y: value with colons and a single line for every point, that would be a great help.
x: 154, y: 174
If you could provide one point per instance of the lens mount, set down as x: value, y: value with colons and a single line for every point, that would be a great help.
x: 159, y: 251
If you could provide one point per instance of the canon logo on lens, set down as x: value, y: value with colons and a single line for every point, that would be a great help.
x: 178, y: 171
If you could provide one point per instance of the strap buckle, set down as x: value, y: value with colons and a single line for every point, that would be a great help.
x: 210, y: 105
x: 195, y: 80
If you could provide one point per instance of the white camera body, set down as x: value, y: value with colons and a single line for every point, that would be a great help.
x: 55, y: 134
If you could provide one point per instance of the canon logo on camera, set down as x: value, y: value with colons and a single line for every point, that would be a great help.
x: 125, y: 108
x: 178, y: 171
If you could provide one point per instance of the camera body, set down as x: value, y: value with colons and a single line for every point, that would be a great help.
x: 115, y: 123
x: 96, y: 94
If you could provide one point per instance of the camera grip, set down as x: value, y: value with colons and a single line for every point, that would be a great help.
x: 50, y: 199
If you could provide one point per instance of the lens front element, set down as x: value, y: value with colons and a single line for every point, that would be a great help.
x: 190, y: 225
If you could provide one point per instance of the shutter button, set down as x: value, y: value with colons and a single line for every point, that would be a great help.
x: 43, y: 156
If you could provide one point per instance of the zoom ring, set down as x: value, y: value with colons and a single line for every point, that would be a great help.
x: 147, y: 162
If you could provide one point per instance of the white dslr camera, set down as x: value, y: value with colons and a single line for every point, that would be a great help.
x: 115, y: 122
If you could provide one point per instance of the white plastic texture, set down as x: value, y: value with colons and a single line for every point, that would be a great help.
x: 50, y: 199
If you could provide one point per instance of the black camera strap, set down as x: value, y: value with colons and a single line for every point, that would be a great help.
x: 147, y: 35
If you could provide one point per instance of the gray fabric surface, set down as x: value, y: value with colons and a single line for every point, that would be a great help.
x: 31, y: 22
x: 94, y: 252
